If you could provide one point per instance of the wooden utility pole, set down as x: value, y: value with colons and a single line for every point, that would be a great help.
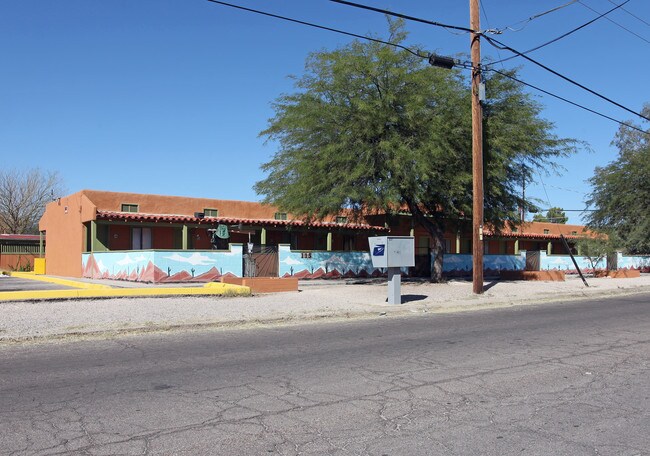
x: 477, y: 152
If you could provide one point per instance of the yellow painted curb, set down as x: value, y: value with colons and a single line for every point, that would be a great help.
x: 58, y: 281
x: 217, y: 289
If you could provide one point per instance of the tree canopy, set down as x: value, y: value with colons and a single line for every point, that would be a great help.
x: 553, y: 215
x: 621, y: 191
x: 23, y: 196
x: 374, y: 128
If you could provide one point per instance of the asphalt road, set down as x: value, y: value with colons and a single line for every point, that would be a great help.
x: 560, y: 379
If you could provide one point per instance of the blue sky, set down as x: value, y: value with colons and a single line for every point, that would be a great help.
x: 169, y: 96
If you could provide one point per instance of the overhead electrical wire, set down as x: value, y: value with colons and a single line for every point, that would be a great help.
x: 418, y: 54
x: 632, y: 14
x: 499, y: 45
x: 404, y: 16
x: 531, y: 18
x: 616, y: 23
x: 625, y: 124
x: 322, y: 27
x: 564, y: 35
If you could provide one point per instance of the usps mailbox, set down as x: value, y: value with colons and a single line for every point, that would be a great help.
x: 393, y: 252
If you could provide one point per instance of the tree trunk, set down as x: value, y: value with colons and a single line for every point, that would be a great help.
x: 437, y: 232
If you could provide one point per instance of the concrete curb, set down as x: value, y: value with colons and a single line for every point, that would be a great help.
x: 91, y: 290
x: 328, y: 317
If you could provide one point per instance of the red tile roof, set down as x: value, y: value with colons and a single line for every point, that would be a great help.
x: 20, y: 237
x: 171, y: 218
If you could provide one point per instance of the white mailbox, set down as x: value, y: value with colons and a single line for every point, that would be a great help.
x: 392, y: 251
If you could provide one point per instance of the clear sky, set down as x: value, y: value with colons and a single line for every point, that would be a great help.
x: 169, y: 96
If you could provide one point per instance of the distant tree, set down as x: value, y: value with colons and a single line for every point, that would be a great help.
x: 621, y: 191
x: 553, y: 215
x: 372, y: 128
x: 23, y: 196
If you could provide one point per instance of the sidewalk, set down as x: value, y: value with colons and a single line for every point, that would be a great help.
x: 22, y: 321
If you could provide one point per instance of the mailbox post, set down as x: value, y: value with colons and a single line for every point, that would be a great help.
x: 393, y: 253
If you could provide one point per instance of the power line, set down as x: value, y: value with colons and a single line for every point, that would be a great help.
x: 322, y: 27
x: 404, y: 16
x: 498, y: 44
x: 633, y: 15
x: 567, y: 33
x: 567, y: 100
x: 616, y: 23
x: 487, y: 21
x: 531, y: 18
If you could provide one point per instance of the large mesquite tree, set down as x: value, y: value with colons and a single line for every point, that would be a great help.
x: 374, y: 128
x: 621, y: 191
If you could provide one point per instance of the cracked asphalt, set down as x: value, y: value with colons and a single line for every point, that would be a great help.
x: 569, y: 378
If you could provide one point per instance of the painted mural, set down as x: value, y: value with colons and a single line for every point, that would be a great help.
x: 460, y: 264
x: 325, y: 265
x: 162, y: 266
x: 640, y: 262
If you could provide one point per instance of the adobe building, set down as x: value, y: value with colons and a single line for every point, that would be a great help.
x: 157, y: 238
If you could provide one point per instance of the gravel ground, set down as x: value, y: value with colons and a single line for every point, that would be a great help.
x: 63, y: 319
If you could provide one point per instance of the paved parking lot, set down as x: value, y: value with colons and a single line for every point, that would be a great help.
x: 8, y: 283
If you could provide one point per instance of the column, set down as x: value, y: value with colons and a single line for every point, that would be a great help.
x: 185, y: 238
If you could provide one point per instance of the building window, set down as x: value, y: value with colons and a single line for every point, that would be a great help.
x: 575, y: 233
x: 348, y: 243
x: 140, y: 238
x: 211, y: 212
x: 129, y: 208
x: 280, y: 216
x: 341, y: 220
x: 547, y: 231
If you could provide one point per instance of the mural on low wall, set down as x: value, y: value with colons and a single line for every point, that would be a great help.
x: 460, y: 264
x: 325, y: 265
x: 161, y: 266
x: 640, y: 262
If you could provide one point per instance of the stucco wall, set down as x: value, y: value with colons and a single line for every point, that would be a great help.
x: 63, y: 223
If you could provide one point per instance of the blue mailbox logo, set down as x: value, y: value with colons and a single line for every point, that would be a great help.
x: 378, y: 250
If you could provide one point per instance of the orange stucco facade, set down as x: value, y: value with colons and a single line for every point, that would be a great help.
x: 92, y: 220
x: 68, y: 220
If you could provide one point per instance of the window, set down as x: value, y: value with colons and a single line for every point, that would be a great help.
x: 211, y: 212
x: 341, y: 220
x: 546, y: 231
x: 575, y: 233
x: 129, y: 208
x: 140, y: 238
x: 280, y: 216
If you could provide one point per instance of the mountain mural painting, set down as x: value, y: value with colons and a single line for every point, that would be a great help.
x: 163, y: 266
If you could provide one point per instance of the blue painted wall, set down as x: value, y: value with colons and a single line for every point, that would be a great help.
x: 164, y: 265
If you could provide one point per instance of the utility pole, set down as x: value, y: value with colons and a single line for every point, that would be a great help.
x: 477, y: 151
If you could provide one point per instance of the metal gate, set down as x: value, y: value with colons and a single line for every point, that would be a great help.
x: 422, y: 266
x: 533, y: 260
x: 263, y: 262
